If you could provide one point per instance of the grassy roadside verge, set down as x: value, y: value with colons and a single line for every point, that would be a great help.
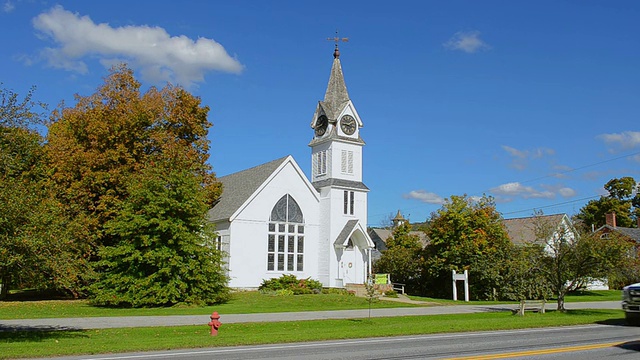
x: 241, y: 303
x: 22, y: 344
x: 579, y: 296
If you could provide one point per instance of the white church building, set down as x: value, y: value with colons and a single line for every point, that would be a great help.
x: 272, y: 220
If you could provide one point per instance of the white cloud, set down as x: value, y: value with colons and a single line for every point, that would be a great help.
x: 561, y: 171
x: 623, y: 140
x: 507, y: 192
x: 159, y: 56
x: 515, y: 189
x: 468, y: 42
x: 424, y: 196
x: 8, y: 6
x: 514, y: 152
x: 521, y: 158
x: 566, y: 192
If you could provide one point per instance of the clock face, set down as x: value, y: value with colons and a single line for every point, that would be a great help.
x: 321, y: 125
x: 348, y: 124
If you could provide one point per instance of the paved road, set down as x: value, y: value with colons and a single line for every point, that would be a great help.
x: 576, y: 342
x: 177, y: 320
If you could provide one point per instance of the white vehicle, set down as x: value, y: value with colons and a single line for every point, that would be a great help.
x: 631, y: 303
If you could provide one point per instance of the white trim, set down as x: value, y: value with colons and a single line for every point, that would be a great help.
x: 287, y: 161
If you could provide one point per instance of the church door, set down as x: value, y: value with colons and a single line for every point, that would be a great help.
x: 348, y: 265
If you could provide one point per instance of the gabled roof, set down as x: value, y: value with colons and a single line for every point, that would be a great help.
x: 522, y: 230
x: 632, y: 233
x: 349, y: 228
x: 346, y: 231
x: 238, y: 187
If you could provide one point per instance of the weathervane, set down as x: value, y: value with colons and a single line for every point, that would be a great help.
x: 336, y: 52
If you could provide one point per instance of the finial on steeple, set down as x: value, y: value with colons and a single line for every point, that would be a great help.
x: 336, y: 52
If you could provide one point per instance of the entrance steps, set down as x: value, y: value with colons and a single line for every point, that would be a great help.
x: 357, y: 289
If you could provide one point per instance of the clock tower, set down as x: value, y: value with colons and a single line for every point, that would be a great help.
x: 336, y: 151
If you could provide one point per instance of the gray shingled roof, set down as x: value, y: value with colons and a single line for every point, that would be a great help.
x: 238, y: 187
x: 336, y: 96
x: 340, y: 183
x: 633, y: 233
x: 346, y: 231
x: 522, y: 230
x: 380, y: 235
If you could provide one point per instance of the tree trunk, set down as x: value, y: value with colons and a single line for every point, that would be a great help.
x: 561, y: 303
x: 4, y: 287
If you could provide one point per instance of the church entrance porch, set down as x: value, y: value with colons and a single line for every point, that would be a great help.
x: 353, y: 261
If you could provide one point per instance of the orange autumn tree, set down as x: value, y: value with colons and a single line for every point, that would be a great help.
x: 132, y: 169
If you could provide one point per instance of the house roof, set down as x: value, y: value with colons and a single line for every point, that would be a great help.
x: 238, y: 187
x: 380, y: 236
x: 633, y: 233
x: 522, y: 230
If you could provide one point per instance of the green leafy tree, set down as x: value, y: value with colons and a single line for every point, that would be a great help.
x: 164, y: 253
x: 571, y: 259
x: 466, y: 235
x: 402, y: 258
x: 36, y: 247
x: 623, y: 199
x: 524, y: 277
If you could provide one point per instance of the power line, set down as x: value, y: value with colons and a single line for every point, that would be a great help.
x: 552, y: 205
x: 554, y: 175
x: 581, y: 167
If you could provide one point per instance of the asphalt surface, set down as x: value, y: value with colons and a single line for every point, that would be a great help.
x: 178, y: 320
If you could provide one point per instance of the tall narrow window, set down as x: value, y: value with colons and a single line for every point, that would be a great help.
x: 351, y: 202
x: 320, y: 160
x: 285, y: 239
x: 346, y: 201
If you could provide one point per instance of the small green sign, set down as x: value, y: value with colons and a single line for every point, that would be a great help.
x: 382, y: 279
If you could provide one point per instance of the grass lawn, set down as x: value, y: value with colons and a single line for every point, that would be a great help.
x: 51, y: 343
x: 578, y: 296
x: 241, y: 303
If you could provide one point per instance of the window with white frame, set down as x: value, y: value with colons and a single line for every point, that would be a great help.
x: 349, y: 197
x: 285, y: 242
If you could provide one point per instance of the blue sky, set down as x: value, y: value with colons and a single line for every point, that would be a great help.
x: 535, y: 103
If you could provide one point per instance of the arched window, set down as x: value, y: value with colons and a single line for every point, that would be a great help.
x: 285, y: 243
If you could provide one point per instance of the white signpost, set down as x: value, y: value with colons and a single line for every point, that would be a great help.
x: 463, y: 277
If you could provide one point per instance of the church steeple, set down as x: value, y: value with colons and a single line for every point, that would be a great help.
x: 336, y: 147
x: 336, y: 96
x: 336, y: 116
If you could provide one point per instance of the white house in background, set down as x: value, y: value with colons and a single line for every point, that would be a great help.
x: 272, y: 220
x: 523, y: 230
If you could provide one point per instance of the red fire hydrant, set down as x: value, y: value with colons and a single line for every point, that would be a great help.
x: 214, y: 323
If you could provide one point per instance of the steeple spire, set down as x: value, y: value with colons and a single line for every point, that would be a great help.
x: 336, y: 95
